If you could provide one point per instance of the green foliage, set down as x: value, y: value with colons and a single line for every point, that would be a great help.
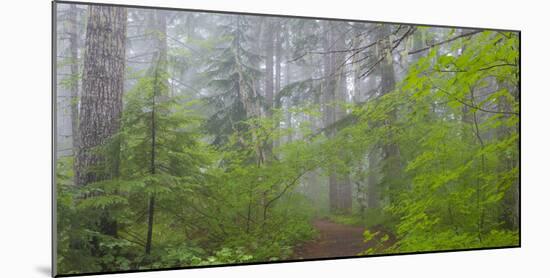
x: 458, y: 147
x: 237, y: 199
x: 232, y: 71
x: 233, y: 185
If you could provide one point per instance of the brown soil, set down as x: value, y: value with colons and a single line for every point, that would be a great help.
x: 335, y: 240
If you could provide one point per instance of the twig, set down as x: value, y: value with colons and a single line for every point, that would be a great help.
x: 444, y: 42
x: 473, y: 106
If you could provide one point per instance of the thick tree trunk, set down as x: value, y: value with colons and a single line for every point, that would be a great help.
x: 101, y: 104
x: 102, y: 87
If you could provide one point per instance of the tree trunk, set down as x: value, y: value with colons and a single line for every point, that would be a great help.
x: 391, y: 150
x: 268, y: 44
x: 341, y: 97
x: 102, y: 88
x: 158, y: 67
x: 101, y: 104
x: 278, y: 50
x: 329, y: 98
x: 357, y: 92
x: 269, y: 51
x: 278, y: 53
x: 373, y: 194
x: 288, y: 80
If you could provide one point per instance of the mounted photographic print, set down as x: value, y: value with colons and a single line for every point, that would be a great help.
x: 190, y: 138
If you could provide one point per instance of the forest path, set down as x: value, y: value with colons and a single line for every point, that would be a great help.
x: 335, y: 240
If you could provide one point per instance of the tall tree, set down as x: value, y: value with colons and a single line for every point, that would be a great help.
x: 269, y: 62
x: 101, y: 104
x: 233, y: 78
x: 383, y: 67
x: 157, y: 70
x: 272, y: 82
x: 387, y: 73
x: 335, y: 94
x: 345, y: 194
x: 328, y: 105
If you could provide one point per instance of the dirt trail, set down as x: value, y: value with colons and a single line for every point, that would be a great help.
x: 335, y: 240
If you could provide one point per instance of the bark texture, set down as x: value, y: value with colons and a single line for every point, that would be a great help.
x: 102, y: 88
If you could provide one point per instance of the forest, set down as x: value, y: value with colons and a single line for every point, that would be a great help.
x: 187, y: 138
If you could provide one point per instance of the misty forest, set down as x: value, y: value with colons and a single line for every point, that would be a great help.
x: 193, y: 138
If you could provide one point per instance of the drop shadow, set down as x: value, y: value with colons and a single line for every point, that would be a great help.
x: 44, y: 270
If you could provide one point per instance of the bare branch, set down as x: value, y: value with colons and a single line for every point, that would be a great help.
x: 473, y: 106
x: 444, y: 42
